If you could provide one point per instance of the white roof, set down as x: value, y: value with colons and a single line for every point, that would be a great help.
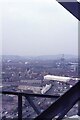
x: 75, y: 116
x: 58, y: 78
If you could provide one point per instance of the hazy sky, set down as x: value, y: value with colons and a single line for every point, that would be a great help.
x: 38, y: 27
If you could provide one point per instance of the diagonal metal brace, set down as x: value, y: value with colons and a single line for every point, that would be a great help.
x: 33, y: 105
x: 62, y: 105
x: 73, y: 6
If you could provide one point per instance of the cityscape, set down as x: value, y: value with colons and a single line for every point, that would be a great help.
x: 39, y: 60
x: 36, y: 75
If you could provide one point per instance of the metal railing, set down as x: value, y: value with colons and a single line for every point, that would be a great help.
x: 59, y: 108
x: 27, y: 96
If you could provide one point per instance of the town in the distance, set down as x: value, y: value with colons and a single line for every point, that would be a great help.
x: 51, y: 75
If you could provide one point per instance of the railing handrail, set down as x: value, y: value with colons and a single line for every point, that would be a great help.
x: 29, y: 94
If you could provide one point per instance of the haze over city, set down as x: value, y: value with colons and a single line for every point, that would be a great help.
x: 39, y: 65
x: 38, y: 27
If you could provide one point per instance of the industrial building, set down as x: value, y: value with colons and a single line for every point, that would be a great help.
x: 59, y: 78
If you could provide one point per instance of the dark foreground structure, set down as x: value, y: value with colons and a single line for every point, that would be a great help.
x: 59, y: 108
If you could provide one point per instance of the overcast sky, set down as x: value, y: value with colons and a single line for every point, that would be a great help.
x: 37, y: 27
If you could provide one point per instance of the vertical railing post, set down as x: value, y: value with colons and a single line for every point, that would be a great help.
x: 79, y: 108
x: 19, y: 107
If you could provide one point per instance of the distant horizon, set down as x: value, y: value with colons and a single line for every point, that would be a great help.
x: 39, y: 55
